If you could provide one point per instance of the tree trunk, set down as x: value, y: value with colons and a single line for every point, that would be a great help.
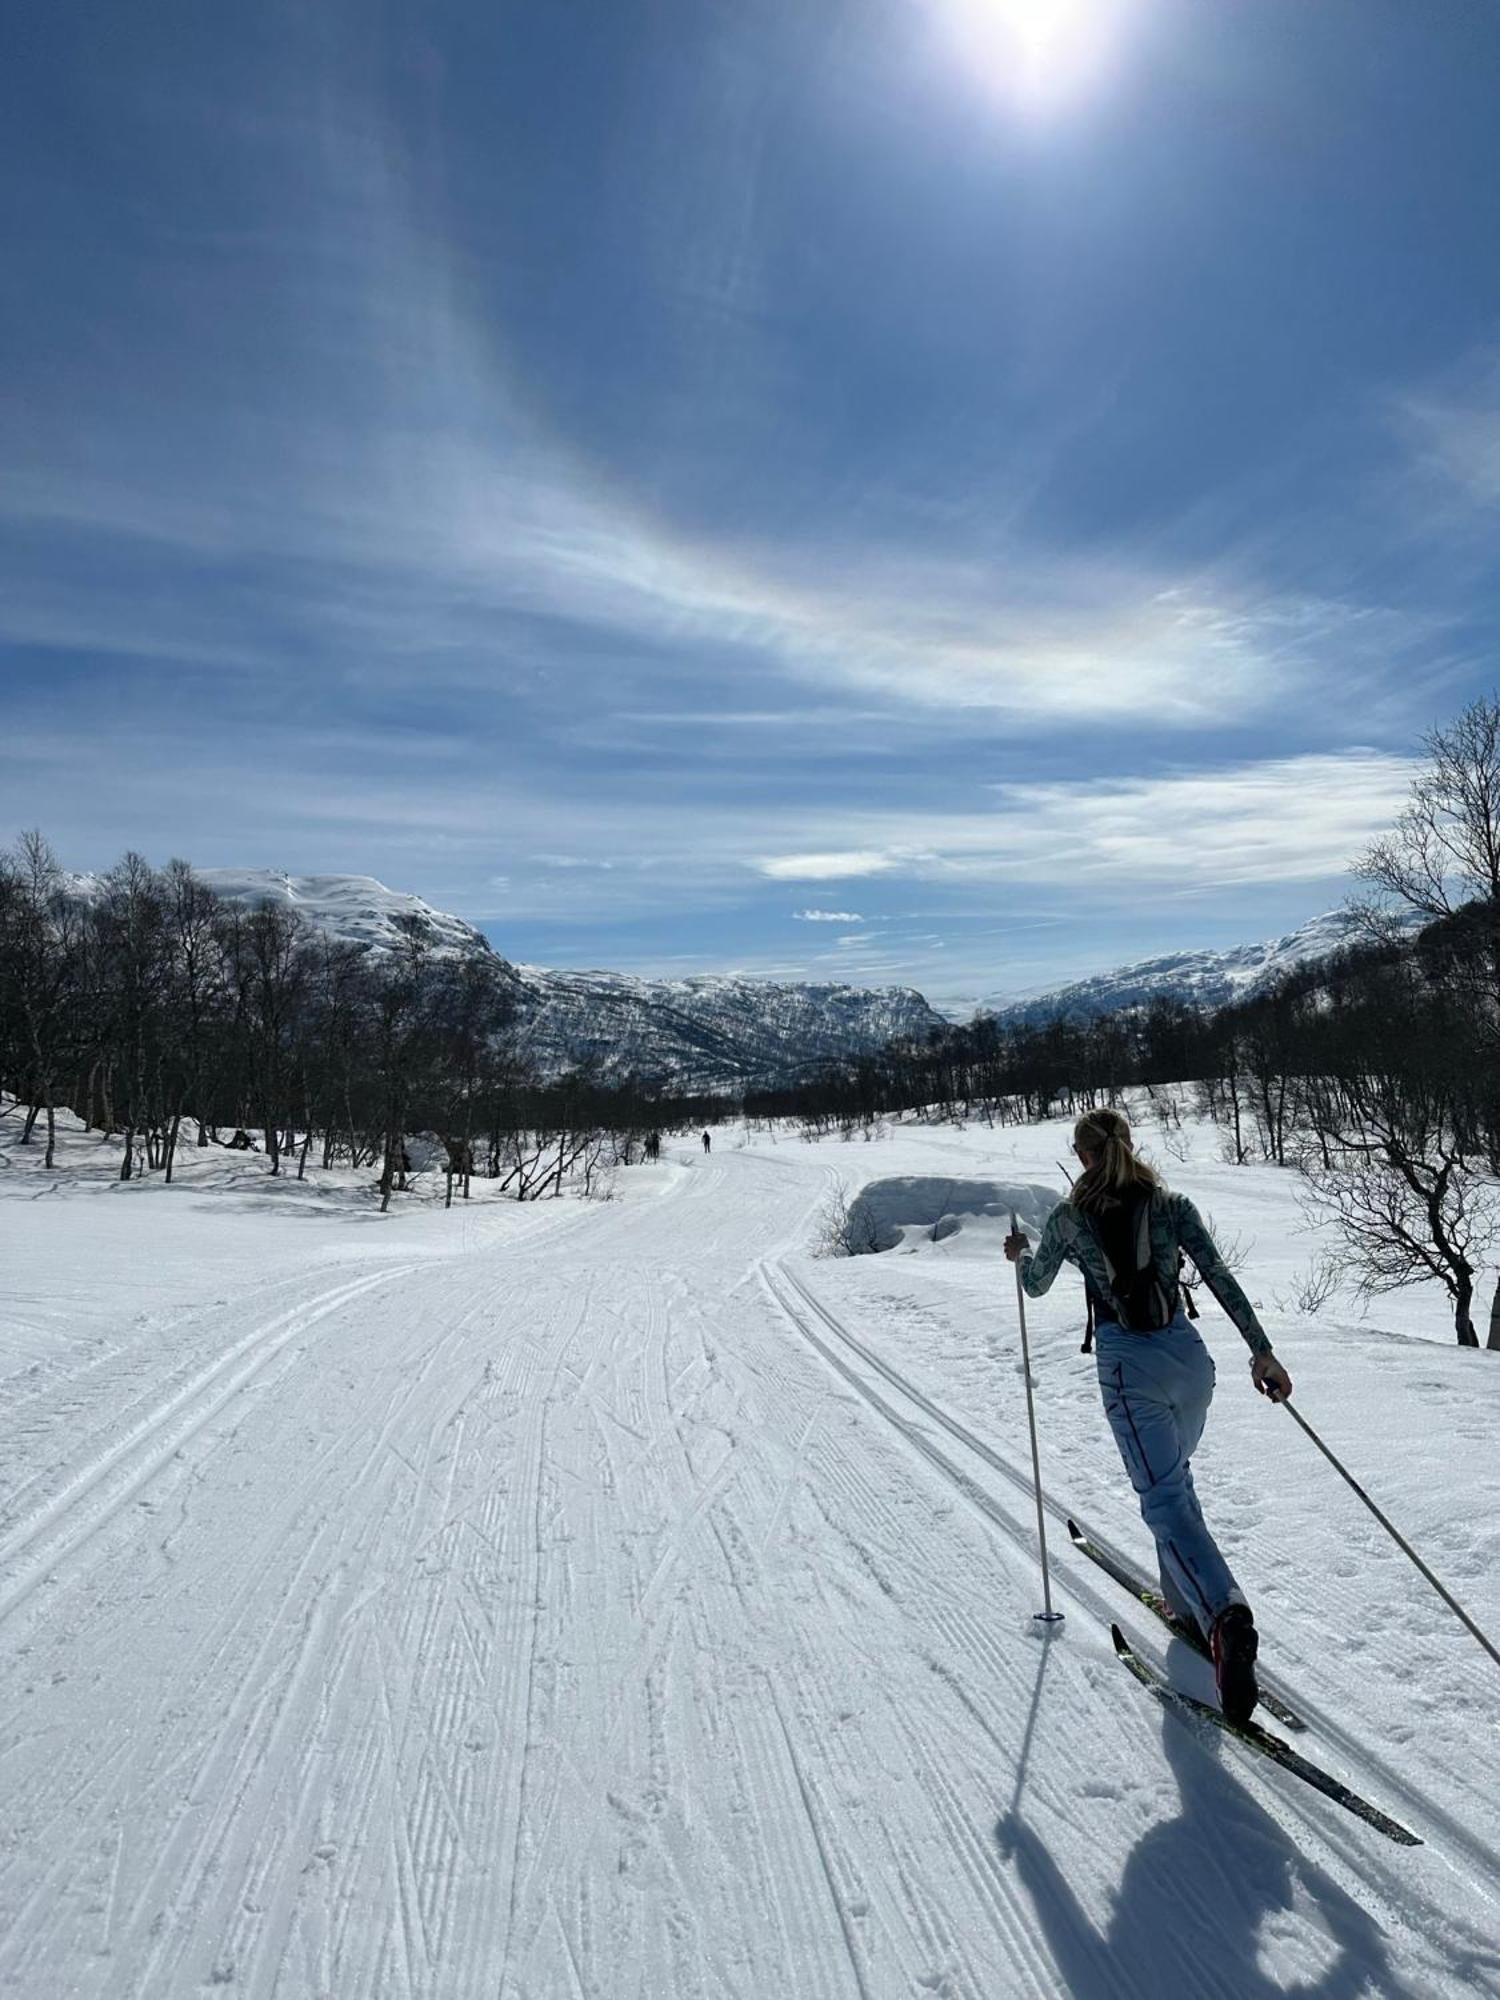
x: 1463, y: 1301
x: 1494, y: 1339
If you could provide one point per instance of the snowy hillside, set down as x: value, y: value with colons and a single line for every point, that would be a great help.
x: 1202, y: 978
x: 355, y: 908
x: 616, y: 1600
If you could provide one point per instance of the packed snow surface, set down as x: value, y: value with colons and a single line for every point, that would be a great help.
x: 616, y: 1600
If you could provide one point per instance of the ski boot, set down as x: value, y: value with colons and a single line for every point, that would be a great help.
x: 1235, y: 1644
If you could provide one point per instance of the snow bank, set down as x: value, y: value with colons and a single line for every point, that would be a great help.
x: 913, y: 1210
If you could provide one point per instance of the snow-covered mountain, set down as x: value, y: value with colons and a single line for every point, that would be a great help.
x: 710, y: 1033
x: 1202, y: 978
x: 354, y: 907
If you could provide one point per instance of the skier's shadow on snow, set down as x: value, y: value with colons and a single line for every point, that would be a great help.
x: 1197, y: 1906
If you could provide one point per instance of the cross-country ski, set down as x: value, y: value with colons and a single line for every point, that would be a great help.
x: 1259, y: 1739
x: 1150, y: 1598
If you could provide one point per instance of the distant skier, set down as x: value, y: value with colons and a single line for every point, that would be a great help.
x: 708, y: 1144
x: 1124, y: 1231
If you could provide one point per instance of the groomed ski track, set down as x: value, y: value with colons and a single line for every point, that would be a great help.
x: 598, y: 1609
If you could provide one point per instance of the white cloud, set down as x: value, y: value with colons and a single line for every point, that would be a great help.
x: 831, y: 867
x: 1288, y: 819
x: 432, y: 827
x: 828, y: 916
x: 1282, y: 820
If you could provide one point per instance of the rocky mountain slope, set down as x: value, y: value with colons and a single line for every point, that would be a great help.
x: 706, y: 1031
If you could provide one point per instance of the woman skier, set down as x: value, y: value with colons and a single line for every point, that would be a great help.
x: 1125, y: 1231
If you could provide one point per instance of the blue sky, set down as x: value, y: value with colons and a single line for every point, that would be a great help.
x: 954, y: 491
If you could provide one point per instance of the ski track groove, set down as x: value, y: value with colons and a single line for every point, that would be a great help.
x: 836, y: 1894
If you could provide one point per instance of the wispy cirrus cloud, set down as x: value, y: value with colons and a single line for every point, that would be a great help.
x: 1285, y: 819
x: 409, y: 503
x: 1452, y: 428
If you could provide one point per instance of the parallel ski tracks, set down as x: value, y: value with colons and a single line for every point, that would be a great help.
x: 45, y: 1542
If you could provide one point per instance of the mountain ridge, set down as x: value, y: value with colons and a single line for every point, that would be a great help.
x: 1211, y: 977
x: 717, y: 1031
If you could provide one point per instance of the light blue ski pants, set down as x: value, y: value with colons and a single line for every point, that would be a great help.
x: 1157, y: 1388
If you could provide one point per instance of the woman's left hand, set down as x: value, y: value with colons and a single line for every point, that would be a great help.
x: 1015, y: 1246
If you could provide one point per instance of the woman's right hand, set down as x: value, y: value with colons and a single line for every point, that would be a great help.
x: 1015, y: 1245
x: 1272, y: 1380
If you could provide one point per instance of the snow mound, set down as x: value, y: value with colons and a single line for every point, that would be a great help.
x: 916, y: 1209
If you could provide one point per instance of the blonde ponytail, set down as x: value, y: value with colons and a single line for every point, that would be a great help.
x: 1117, y: 1172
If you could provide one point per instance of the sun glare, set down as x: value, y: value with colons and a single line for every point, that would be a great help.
x: 1041, y: 53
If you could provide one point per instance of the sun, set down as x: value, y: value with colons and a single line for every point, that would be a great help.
x: 1041, y: 53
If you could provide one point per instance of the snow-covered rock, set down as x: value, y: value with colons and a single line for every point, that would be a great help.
x: 911, y: 1209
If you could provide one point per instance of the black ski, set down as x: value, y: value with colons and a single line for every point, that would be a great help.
x: 1255, y: 1738
x: 1148, y: 1595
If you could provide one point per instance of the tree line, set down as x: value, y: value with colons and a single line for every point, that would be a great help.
x: 1374, y: 1074
x: 148, y: 1005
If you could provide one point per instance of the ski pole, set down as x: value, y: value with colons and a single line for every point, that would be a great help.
x: 1398, y: 1538
x: 1047, y: 1615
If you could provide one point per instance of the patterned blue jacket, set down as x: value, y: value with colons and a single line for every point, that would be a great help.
x: 1174, y: 1225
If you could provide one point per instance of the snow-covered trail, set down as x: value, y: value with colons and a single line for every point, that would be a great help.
x: 604, y: 1610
